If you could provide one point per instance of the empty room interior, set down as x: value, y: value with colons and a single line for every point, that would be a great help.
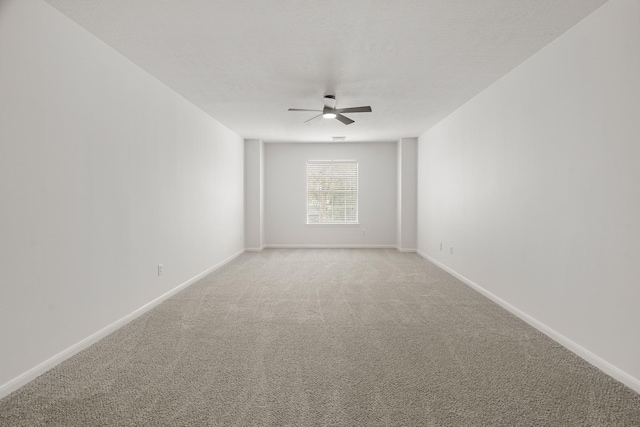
x: 267, y: 212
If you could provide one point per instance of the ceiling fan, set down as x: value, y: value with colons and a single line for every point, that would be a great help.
x: 331, y: 112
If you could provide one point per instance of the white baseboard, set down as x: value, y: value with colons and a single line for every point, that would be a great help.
x: 398, y: 248
x: 31, y: 374
x: 611, y: 370
x: 406, y: 249
x: 277, y: 246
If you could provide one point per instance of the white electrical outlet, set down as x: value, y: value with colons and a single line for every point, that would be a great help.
x: 160, y: 269
x: 440, y: 246
x: 364, y: 231
x: 451, y: 249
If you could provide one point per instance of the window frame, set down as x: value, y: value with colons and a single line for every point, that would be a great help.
x: 356, y: 191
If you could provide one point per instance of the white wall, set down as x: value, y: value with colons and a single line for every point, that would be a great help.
x: 536, y: 185
x: 285, y: 195
x: 104, y: 173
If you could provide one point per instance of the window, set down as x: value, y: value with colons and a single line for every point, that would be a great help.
x: 332, y: 192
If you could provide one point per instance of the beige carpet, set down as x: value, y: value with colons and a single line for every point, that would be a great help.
x: 325, y: 338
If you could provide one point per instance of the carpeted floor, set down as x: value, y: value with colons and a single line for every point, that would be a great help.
x: 335, y: 337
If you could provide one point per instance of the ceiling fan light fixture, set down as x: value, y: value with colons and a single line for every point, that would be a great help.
x: 329, y: 111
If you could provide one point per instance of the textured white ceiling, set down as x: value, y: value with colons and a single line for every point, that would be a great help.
x: 245, y: 62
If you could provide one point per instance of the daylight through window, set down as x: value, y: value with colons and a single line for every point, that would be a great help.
x: 332, y: 192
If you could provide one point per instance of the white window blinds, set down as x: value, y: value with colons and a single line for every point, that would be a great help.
x: 332, y: 192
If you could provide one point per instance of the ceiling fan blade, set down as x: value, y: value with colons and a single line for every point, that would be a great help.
x: 343, y: 119
x: 314, y: 117
x: 301, y: 109
x: 366, y: 109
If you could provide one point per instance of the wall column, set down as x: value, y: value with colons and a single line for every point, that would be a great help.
x: 407, y: 194
x: 253, y: 194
